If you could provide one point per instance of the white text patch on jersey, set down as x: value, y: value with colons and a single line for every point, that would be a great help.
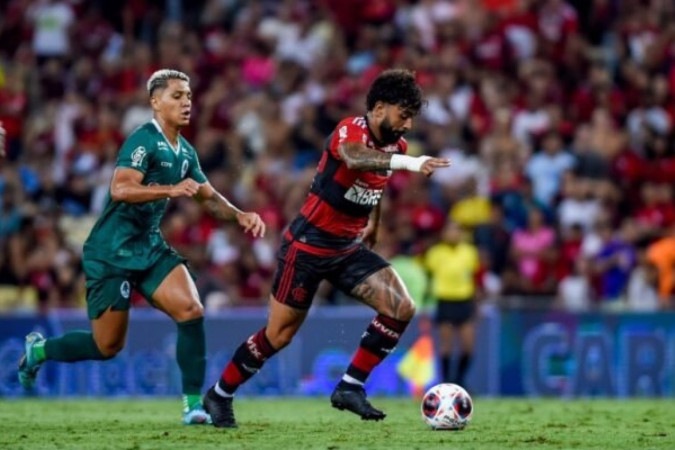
x: 363, y: 196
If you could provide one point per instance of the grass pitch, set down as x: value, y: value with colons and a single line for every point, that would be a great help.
x: 289, y: 424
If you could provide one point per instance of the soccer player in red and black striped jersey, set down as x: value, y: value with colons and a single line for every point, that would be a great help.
x: 331, y: 239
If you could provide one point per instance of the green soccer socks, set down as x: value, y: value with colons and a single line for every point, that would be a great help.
x: 191, y: 355
x: 70, y: 347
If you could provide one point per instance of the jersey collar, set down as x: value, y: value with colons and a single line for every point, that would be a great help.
x: 176, y: 150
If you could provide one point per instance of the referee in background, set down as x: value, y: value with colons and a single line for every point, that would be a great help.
x: 453, y: 266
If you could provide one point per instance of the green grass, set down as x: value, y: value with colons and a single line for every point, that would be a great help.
x: 289, y: 424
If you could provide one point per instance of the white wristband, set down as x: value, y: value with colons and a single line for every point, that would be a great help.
x: 409, y: 163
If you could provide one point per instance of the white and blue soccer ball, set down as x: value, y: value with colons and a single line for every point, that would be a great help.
x: 447, y: 406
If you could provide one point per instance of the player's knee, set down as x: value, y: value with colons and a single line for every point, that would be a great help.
x: 281, y: 338
x: 403, y: 308
x: 406, y: 309
x: 194, y: 310
x: 110, y: 349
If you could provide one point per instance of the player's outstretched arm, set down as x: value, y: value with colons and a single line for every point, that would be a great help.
x: 127, y: 186
x: 222, y: 209
x: 359, y: 157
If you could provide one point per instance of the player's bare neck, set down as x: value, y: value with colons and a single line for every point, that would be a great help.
x: 170, y: 132
x: 172, y: 135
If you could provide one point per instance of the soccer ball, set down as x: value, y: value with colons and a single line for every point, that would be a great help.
x: 447, y: 406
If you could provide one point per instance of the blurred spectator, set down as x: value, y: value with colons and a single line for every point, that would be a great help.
x: 533, y: 253
x: 10, y: 212
x: 517, y: 199
x: 575, y: 292
x: 13, y: 109
x: 52, y: 21
x: 642, y: 294
x: 577, y: 207
x: 649, y: 116
x: 137, y: 113
x: 500, y: 149
x: 614, y: 262
x: 530, y: 121
x: 414, y: 200
x: 606, y: 137
x: 493, y: 240
x: 467, y: 168
x: 656, y: 211
x: 569, y: 242
x: 40, y: 258
x: 589, y: 163
x: 546, y: 167
x: 555, y: 105
x: 3, y: 141
x: 661, y: 254
x: 471, y: 209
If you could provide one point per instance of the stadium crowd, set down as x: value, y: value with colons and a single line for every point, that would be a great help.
x: 557, y: 115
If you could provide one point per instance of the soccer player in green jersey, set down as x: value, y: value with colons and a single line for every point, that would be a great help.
x: 126, y: 250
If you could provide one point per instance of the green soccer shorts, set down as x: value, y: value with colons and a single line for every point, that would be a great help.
x: 109, y: 286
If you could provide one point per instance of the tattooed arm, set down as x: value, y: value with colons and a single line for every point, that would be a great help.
x: 359, y: 157
x: 221, y: 208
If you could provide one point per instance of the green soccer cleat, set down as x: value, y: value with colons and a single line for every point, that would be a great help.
x: 196, y: 416
x: 28, y: 364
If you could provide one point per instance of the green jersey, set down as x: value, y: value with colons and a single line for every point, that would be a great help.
x: 127, y: 235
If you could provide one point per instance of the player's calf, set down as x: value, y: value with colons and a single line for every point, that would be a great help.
x: 247, y: 360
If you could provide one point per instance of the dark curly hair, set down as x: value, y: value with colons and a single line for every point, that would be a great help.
x: 396, y: 87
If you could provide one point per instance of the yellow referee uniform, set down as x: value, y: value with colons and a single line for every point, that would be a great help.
x: 452, y: 269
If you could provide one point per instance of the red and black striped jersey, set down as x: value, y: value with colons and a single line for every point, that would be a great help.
x: 341, y: 199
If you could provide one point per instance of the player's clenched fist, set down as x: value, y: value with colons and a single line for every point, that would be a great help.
x: 251, y: 222
x: 186, y: 188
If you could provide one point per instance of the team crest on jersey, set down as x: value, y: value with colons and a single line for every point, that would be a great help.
x: 299, y: 294
x: 184, y: 169
x: 363, y: 196
x: 125, y: 289
x: 342, y: 133
x: 137, y: 156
